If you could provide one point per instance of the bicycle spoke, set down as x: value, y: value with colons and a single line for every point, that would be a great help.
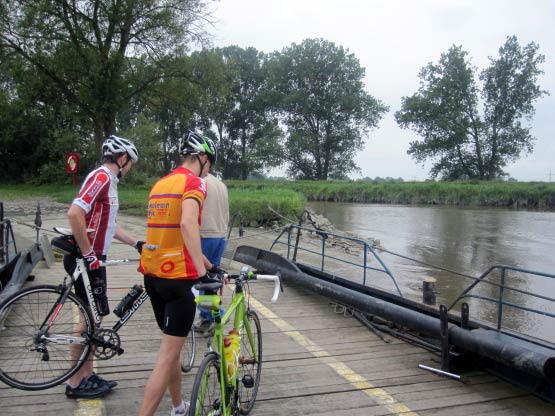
x: 188, y: 351
x: 29, y: 357
x: 250, y: 364
x: 206, y: 397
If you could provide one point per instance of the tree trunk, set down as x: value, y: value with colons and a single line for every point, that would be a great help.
x: 493, y: 157
x: 98, y: 137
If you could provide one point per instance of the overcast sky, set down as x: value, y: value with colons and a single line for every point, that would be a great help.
x: 393, y: 40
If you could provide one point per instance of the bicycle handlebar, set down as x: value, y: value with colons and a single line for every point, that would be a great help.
x: 253, y: 276
x: 117, y: 262
x: 277, y: 284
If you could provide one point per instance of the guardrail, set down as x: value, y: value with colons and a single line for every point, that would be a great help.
x: 324, y: 236
x: 503, y: 288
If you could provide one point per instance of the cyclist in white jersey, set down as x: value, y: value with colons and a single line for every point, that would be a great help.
x: 96, y: 208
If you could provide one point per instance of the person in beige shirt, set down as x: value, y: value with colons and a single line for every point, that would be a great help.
x: 213, y: 233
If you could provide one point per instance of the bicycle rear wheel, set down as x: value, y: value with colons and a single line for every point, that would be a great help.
x: 188, y: 351
x: 250, y: 367
x: 206, y: 397
x: 32, y: 358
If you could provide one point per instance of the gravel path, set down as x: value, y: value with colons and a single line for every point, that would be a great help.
x: 24, y: 207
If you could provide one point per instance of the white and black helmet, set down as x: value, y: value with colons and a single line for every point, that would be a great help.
x: 114, y: 146
x: 194, y: 143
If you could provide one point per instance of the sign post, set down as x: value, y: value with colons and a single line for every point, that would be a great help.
x: 72, y: 165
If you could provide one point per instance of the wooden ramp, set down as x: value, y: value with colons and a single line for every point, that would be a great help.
x: 318, y: 360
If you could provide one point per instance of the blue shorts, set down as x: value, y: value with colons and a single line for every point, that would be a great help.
x: 213, y: 249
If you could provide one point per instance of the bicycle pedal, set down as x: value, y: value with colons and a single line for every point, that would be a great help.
x: 120, y: 351
x: 248, y: 381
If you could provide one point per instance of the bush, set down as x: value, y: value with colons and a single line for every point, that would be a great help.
x: 260, y: 206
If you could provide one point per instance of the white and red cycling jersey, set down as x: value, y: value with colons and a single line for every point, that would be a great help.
x: 98, y: 197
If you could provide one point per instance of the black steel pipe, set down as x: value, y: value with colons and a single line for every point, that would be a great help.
x: 526, y: 356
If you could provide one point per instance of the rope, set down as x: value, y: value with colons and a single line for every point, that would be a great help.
x: 279, y: 215
x: 477, y: 279
x: 260, y: 233
x: 33, y: 226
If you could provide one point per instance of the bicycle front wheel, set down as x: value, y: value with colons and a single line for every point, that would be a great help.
x: 206, y: 397
x: 250, y: 365
x: 188, y: 351
x: 33, y: 357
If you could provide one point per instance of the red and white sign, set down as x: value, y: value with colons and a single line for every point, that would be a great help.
x: 72, y: 163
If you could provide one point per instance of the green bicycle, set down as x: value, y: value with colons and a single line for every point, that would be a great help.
x: 228, y: 378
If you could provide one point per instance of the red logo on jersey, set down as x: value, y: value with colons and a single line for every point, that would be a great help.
x: 167, y: 267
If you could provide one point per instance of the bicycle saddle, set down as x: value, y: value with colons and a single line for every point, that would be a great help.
x: 211, y: 286
x: 67, y: 231
x: 65, y: 243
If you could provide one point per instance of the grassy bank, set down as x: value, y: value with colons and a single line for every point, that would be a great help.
x: 524, y: 195
x: 255, y: 206
x: 256, y: 201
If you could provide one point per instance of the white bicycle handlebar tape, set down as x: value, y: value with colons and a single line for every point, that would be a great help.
x: 276, y: 284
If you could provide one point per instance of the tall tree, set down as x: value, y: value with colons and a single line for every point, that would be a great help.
x: 86, y: 47
x: 232, y: 84
x: 33, y: 137
x: 446, y: 111
x: 318, y: 89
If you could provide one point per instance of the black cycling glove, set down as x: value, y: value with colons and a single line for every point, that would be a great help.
x: 217, y: 270
x: 207, y: 278
x: 139, y: 246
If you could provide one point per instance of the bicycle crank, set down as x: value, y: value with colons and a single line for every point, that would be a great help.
x: 106, y: 344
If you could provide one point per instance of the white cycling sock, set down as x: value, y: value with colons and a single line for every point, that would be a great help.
x: 180, y: 408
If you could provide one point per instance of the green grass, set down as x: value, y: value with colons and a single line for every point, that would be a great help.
x: 252, y: 205
x: 535, y: 195
x: 256, y: 201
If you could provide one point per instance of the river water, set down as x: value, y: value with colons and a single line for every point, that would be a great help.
x: 466, y: 240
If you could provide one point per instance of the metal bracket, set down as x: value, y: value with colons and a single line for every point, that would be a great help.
x: 444, y: 335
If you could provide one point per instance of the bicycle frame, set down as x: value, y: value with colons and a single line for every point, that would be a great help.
x: 238, y: 308
x: 80, y: 272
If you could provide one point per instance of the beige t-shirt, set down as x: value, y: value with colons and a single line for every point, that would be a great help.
x: 215, y: 212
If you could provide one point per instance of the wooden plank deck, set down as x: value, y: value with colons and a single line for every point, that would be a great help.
x: 316, y: 361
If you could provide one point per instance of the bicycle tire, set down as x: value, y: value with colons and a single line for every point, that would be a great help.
x: 206, y: 396
x: 22, y: 314
x: 248, y: 367
x: 188, y: 351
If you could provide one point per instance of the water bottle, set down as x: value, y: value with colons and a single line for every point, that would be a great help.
x: 234, y: 338
x: 229, y: 357
x: 128, y: 300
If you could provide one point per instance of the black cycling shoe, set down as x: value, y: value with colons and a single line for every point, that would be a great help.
x: 95, y: 378
x: 87, y: 390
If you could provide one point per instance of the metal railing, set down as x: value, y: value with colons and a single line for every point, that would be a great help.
x: 324, y: 236
x: 7, y: 239
x: 503, y: 288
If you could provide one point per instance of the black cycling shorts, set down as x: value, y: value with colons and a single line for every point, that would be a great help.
x: 98, y: 284
x: 173, y: 303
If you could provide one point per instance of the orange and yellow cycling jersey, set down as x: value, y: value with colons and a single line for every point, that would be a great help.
x: 165, y: 254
